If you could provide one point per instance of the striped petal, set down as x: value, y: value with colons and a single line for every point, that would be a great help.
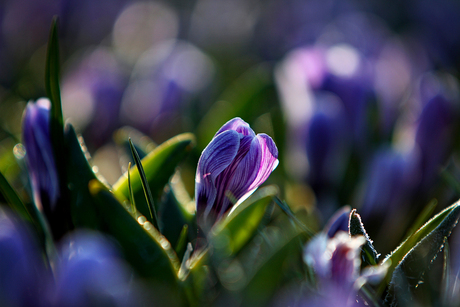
x: 238, y: 125
x: 250, y: 172
x: 216, y: 157
x: 40, y: 159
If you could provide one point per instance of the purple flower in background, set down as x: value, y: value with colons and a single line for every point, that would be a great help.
x: 326, y: 143
x: 92, y: 92
x: 389, y: 182
x: 338, y: 222
x: 232, y: 166
x: 434, y: 133
x: 336, y: 262
x: 22, y: 275
x: 91, y: 273
x: 39, y: 153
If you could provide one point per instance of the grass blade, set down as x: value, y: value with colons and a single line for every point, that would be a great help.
x: 145, y: 185
x: 131, y: 195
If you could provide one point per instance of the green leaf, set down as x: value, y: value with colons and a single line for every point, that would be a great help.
x: 159, y: 166
x: 260, y: 268
x: 94, y: 206
x: 369, y: 255
x: 174, y: 219
x: 13, y: 200
x: 142, y: 143
x: 52, y: 72
x: 287, y: 210
x: 421, y: 248
x: 422, y: 217
x: 131, y: 196
x: 267, y: 277
x: 59, y: 220
x: 144, y: 247
x: 145, y: 186
x: 52, y: 77
x: 234, y: 231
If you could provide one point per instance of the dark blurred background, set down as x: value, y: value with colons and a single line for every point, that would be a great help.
x: 361, y: 97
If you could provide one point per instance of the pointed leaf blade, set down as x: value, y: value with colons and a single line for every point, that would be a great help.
x: 159, y: 165
x: 423, y: 245
x: 240, y: 225
x: 369, y: 255
x: 145, y: 186
x: 93, y: 206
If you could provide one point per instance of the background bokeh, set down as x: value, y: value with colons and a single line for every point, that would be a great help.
x: 361, y: 97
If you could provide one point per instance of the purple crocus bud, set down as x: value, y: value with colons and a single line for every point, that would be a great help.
x: 91, y: 273
x: 389, y: 183
x: 21, y: 271
x: 336, y: 262
x: 327, y: 143
x: 338, y: 222
x: 39, y: 153
x: 434, y: 134
x: 232, y: 166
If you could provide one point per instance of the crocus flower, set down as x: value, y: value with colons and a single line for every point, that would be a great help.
x: 39, y: 153
x: 338, y: 222
x: 336, y: 262
x: 433, y: 137
x: 232, y: 166
x: 91, y: 273
x: 21, y: 271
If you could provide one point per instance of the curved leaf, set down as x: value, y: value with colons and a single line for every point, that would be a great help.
x: 369, y: 255
x: 94, y: 206
x: 423, y: 246
x: 159, y: 165
x: 240, y: 225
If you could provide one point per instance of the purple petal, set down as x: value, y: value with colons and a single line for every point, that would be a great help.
x: 268, y: 159
x: 22, y: 273
x: 231, y: 180
x: 238, y: 125
x: 338, y: 222
x: 91, y: 273
x: 250, y: 172
x: 40, y: 159
x: 216, y: 157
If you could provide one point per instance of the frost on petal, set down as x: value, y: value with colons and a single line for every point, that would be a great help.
x: 238, y: 125
x: 216, y: 157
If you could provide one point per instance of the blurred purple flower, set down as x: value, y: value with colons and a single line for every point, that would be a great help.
x: 233, y: 165
x: 434, y: 135
x: 22, y: 275
x: 326, y: 143
x: 164, y: 80
x: 91, y: 273
x: 92, y: 93
x: 338, y: 222
x: 39, y: 154
x: 336, y: 262
x: 389, y: 183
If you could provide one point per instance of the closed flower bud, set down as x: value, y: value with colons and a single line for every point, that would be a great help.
x: 39, y: 153
x: 232, y: 166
